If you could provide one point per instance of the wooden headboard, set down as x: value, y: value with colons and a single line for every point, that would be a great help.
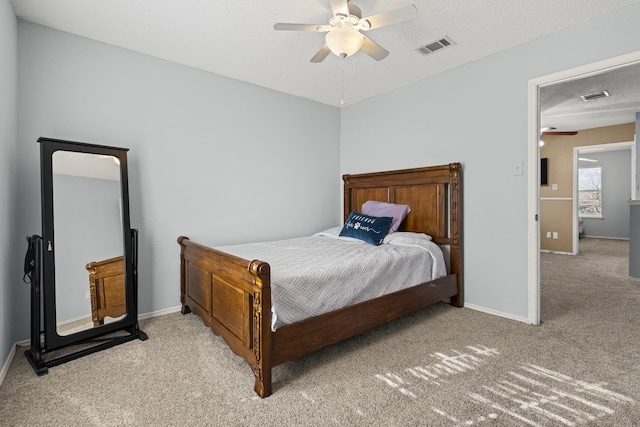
x: 434, y: 194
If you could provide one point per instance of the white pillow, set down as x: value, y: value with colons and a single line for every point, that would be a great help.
x: 405, y: 237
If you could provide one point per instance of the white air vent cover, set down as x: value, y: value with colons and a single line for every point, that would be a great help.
x: 596, y: 95
x: 437, y: 45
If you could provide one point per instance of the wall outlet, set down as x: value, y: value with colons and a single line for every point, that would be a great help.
x: 554, y: 187
x: 548, y: 234
x: 555, y: 234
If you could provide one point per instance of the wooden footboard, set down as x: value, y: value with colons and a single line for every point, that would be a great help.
x: 233, y: 298
x: 107, y: 289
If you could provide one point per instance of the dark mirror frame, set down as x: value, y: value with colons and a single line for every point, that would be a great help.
x: 44, y: 334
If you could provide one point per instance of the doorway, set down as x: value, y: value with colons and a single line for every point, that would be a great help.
x: 534, y: 127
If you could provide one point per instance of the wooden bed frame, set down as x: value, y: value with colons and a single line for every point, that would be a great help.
x: 233, y: 295
x: 107, y: 289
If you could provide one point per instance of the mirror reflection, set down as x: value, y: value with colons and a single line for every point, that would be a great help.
x: 89, y: 263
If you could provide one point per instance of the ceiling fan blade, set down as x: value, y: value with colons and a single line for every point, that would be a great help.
x: 373, y: 49
x: 298, y: 27
x: 560, y: 133
x: 340, y: 7
x: 391, y: 17
x: 321, y: 55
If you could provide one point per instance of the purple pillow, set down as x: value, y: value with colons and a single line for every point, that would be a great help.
x: 397, y: 211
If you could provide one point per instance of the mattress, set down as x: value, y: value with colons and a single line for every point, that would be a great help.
x: 317, y: 274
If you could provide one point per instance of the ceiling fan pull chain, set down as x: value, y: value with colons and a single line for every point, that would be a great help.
x: 342, y: 100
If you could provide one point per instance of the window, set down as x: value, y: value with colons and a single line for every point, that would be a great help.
x: 590, y: 191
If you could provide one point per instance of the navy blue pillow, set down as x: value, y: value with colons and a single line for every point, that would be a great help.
x: 370, y: 229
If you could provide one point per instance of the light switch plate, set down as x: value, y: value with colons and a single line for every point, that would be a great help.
x: 516, y: 167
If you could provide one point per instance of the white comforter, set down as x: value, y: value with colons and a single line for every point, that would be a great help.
x: 324, y: 272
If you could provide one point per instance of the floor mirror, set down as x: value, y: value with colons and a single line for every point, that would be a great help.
x: 84, y: 283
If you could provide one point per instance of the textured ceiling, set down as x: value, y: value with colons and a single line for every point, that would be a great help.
x: 561, y: 106
x: 236, y: 38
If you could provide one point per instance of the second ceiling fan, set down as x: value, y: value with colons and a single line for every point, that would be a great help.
x: 344, y: 36
x: 551, y: 131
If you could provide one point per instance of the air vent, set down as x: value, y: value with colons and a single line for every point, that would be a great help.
x: 436, y: 46
x: 596, y: 95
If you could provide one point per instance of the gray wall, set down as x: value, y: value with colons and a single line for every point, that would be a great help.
x: 215, y: 159
x: 477, y: 114
x: 11, y: 246
x: 616, y: 192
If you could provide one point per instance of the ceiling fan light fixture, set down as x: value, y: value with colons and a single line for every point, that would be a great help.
x: 344, y: 41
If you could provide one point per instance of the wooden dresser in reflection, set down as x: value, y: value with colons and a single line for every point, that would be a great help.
x: 107, y: 288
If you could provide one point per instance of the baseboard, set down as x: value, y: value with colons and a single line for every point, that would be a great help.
x: 497, y: 313
x: 605, y: 237
x: 549, y: 251
x: 158, y: 313
x: 7, y: 363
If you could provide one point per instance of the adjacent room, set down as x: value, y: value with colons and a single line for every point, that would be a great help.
x: 238, y: 123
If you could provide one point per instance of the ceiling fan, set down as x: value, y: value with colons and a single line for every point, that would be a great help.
x: 550, y: 131
x: 344, y: 37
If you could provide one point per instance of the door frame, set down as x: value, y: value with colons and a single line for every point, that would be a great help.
x: 533, y: 154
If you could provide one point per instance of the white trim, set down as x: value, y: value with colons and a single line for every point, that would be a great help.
x: 159, y: 313
x: 533, y: 206
x: 533, y: 226
x: 496, y: 312
x: 612, y: 146
x: 7, y: 364
x: 607, y: 237
x: 549, y: 251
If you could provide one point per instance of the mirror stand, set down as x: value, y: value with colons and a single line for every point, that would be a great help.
x: 84, y: 267
x: 37, y: 354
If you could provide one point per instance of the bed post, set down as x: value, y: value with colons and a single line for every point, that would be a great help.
x: 456, y: 221
x: 262, y: 327
x: 185, y: 309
